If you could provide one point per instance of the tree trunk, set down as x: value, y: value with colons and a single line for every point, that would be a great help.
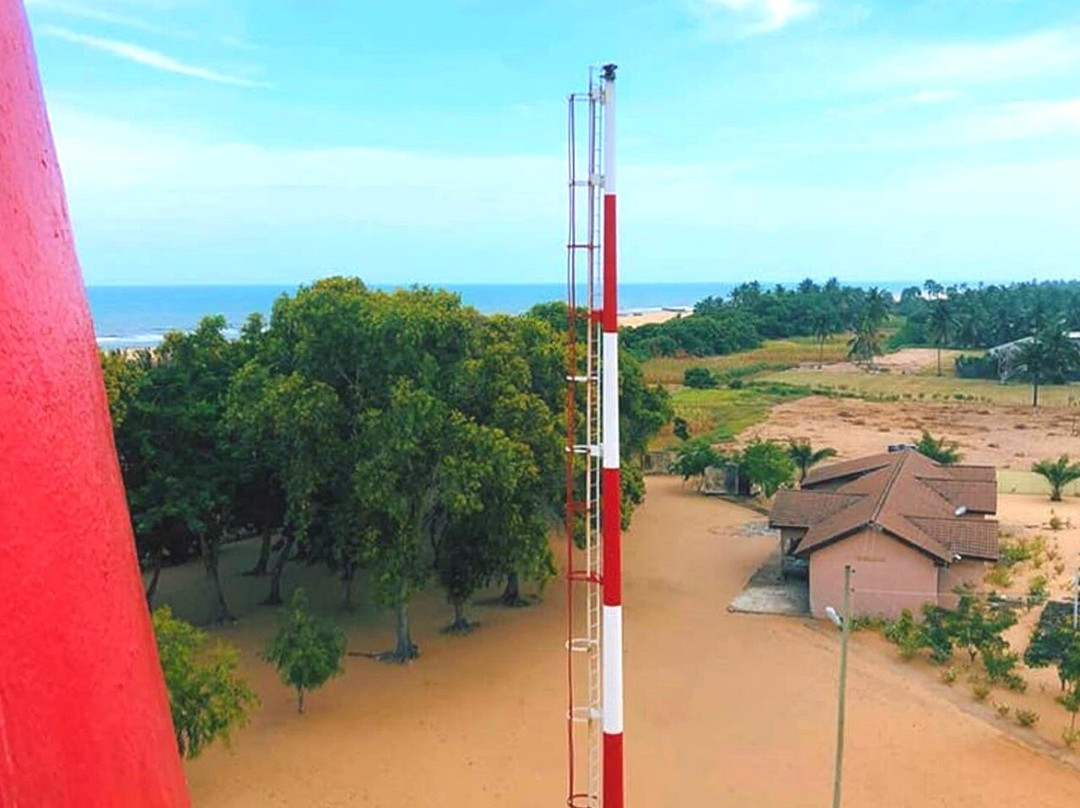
x: 1055, y: 493
x: 210, y: 557
x: 1035, y: 390
x: 511, y: 595
x: 151, y: 589
x: 300, y: 700
x: 348, y: 574
x: 405, y: 649
x: 461, y: 624
x: 260, y: 568
x: 821, y: 352
x: 939, y: 360
x: 274, y: 598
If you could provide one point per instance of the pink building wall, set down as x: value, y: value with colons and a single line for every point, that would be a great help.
x: 889, y: 576
x: 968, y: 571
x: 84, y: 716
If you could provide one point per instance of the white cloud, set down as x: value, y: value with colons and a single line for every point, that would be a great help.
x: 145, y: 56
x: 931, y: 97
x: 99, y: 15
x: 762, y: 16
x: 976, y: 62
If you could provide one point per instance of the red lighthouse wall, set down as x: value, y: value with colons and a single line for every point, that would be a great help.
x: 84, y: 718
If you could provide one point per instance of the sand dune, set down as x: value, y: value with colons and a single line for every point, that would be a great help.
x: 722, y: 709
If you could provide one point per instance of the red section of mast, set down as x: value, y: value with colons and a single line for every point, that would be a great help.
x: 84, y: 717
x: 611, y: 484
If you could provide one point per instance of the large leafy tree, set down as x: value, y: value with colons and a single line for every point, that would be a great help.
x: 1059, y: 473
x: 766, y: 464
x: 179, y: 465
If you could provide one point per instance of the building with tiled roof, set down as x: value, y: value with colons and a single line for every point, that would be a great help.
x: 912, y: 530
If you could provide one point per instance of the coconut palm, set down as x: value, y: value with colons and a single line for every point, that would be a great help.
x: 866, y: 344
x: 823, y: 330
x: 1059, y: 473
x: 939, y: 450
x: 940, y: 326
x: 806, y: 457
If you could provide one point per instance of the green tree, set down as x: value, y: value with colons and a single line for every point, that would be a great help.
x: 693, y: 457
x: 306, y: 652
x: 805, y: 456
x: 207, y: 698
x: 823, y: 330
x: 766, y: 464
x: 941, y: 326
x: 866, y: 342
x: 1059, y: 473
x: 178, y: 462
x: 939, y: 450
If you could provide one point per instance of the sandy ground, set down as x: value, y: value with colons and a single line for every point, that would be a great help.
x: 903, y: 362
x: 1006, y: 436
x: 632, y: 319
x: 721, y: 709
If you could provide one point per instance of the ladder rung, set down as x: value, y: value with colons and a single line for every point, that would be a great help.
x: 582, y: 575
x: 581, y: 644
x: 581, y: 379
x: 583, y: 715
x: 585, y: 448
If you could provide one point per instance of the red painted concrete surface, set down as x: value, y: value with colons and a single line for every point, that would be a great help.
x: 84, y: 718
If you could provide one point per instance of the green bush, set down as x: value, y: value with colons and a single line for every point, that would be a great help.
x: 999, y: 575
x: 207, y: 697
x: 1027, y: 718
x: 980, y: 690
x: 906, y: 634
x: 1038, y: 591
x: 699, y: 378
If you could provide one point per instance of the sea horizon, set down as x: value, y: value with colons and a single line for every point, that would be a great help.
x: 134, y: 316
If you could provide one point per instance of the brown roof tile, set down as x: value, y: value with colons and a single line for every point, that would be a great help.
x: 804, y: 508
x: 903, y: 493
x: 976, y: 538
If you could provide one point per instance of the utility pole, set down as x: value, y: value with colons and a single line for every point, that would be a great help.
x: 845, y: 628
x: 1076, y: 598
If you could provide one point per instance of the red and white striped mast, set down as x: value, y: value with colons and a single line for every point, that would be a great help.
x: 593, y: 485
x: 610, y: 483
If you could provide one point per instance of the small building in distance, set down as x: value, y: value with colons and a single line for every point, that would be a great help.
x: 912, y: 530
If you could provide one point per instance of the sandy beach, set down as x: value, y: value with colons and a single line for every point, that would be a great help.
x: 722, y: 709
x: 632, y: 319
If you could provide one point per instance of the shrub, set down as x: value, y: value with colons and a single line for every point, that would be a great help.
x: 680, y: 428
x: 1038, y: 591
x: 699, y: 378
x: 735, y: 384
x: 1027, y: 718
x: 1070, y: 736
x: 948, y: 676
x: 980, y: 690
x: 1000, y: 664
x: 906, y: 634
x: 206, y: 696
x: 306, y: 652
x: 1002, y: 709
x: 1011, y: 553
x: 999, y: 575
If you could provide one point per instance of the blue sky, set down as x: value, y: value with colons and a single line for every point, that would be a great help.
x: 235, y: 141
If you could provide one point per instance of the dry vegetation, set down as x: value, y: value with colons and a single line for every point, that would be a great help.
x: 772, y: 355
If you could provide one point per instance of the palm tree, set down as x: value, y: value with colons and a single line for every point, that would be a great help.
x: 939, y: 450
x: 866, y: 344
x: 805, y: 457
x: 1061, y: 354
x: 822, y: 325
x: 940, y: 326
x: 1059, y: 473
x: 877, y: 306
x: 1031, y: 357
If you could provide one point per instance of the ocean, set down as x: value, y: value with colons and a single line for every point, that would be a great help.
x: 138, y: 316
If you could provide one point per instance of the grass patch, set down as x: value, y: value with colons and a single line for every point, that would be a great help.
x: 773, y: 355
x: 721, y: 413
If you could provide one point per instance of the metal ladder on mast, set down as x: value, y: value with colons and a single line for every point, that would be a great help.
x: 583, y: 462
